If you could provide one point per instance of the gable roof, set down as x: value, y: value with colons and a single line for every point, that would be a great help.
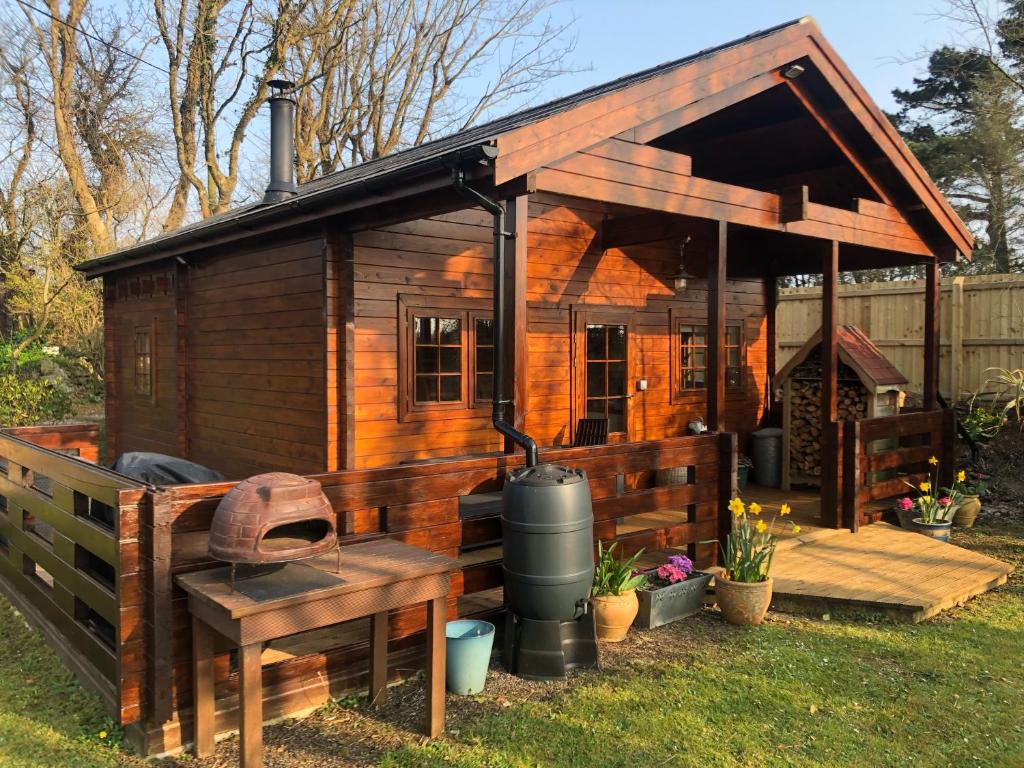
x: 858, y: 352
x: 518, y: 133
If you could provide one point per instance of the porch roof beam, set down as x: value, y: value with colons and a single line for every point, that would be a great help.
x: 610, y: 181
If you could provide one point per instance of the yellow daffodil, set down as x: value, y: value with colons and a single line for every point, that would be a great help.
x: 784, y: 510
x: 755, y: 508
x: 961, y: 476
x: 925, y: 486
x: 761, y: 526
x: 926, y: 499
x: 796, y: 529
x: 933, y: 461
x: 737, y: 507
x: 103, y: 734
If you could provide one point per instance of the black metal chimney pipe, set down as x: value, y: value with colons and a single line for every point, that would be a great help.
x: 282, y: 143
x: 495, y: 208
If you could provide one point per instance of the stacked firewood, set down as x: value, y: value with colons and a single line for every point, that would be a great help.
x: 805, y: 416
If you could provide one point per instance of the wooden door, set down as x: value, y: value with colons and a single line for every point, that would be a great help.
x: 602, y: 365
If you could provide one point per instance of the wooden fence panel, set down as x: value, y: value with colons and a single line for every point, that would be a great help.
x: 981, y: 325
x: 69, y: 556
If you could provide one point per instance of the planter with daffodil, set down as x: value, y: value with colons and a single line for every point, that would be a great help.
x: 744, y: 590
x: 934, y: 507
x: 969, y: 486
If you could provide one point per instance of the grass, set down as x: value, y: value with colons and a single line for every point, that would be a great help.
x: 794, y: 692
x: 46, y: 719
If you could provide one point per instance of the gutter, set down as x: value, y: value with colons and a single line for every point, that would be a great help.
x: 485, y: 154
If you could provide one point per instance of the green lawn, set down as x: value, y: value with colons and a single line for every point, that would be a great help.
x: 794, y: 692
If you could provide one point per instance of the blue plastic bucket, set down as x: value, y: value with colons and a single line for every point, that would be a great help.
x: 467, y: 655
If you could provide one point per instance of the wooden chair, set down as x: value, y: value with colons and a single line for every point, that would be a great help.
x: 591, y: 432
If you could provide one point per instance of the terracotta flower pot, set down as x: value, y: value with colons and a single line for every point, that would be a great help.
x: 743, y: 603
x: 614, y: 614
x: 967, y: 512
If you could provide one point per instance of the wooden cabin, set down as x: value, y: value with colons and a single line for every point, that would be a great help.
x: 347, y: 330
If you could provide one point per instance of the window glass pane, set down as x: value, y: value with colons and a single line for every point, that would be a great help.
x: 698, y: 378
x: 450, y: 330
x: 699, y: 358
x: 595, y: 379
x: 426, y: 359
x: 484, y: 386
x: 732, y: 355
x: 732, y: 335
x: 595, y: 342
x: 616, y: 342
x: 595, y: 409
x: 426, y: 389
x: 484, y: 359
x: 616, y: 379
x: 484, y: 332
x: 451, y: 360
x: 451, y: 389
x: 616, y: 415
x: 425, y: 330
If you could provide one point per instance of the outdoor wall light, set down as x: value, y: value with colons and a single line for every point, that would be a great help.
x: 679, y: 281
x: 793, y: 71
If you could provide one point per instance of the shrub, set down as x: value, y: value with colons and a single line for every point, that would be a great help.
x: 24, y: 402
x: 982, y: 424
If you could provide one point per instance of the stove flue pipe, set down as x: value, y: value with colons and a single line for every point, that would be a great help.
x: 497, y: 210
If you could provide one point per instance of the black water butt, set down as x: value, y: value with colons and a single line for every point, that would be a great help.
x: 548, y: 561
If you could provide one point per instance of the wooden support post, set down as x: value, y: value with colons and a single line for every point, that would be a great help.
x: 437, y: 617
x: 250, y: 705
x: 851, y: 475
x: 339, y: 363
x: 516, y: 346
x: 931, y: 335
x: 378, y: 657
x: 771, y: 301
x: 956, y: 339
x: 727, y: 469
x: 947, y: 450
x: 830, y: 512
x: 716, y: 331
x: 202, y: 688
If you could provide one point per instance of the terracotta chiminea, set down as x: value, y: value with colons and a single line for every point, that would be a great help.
x: 273, y: 518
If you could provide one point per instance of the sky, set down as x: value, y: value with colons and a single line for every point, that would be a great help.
x: 880, y: 40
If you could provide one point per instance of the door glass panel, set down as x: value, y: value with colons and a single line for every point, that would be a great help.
x: 606, y: 375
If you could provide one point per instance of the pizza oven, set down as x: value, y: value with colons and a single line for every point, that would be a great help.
x: 273, y: 518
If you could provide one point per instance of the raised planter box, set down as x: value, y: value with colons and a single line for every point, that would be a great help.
x: 664, y: 605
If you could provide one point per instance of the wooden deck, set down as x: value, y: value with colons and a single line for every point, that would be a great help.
x: 882, y: 569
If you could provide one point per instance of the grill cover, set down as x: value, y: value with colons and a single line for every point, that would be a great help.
x: 273, y: 518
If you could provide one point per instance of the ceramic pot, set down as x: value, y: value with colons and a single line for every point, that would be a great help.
x: 613, y: 615
x: 937, y: 531
x: 967, y: 512
x: 742, y: 603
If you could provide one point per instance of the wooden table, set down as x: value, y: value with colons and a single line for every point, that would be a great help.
x: 375, y: 577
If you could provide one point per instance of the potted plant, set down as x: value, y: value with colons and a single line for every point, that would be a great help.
x: 614, y: 593
x: 743, y: 467
x: 744, y: 590
x: 674, y: 590
x: 968, y: 486
x: 933, y: 514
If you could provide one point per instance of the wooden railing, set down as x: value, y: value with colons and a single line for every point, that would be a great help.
x: 69, y: 556
x: 418, y: 504
x: 882, y: 455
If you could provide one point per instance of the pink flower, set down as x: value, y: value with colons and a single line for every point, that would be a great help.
x: 671, y: 573
x: 905, y: 503
x: 944, y: 501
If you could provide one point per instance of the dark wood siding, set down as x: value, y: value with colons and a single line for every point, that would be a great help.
x: 256, y: 384
x: 141, y: 422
